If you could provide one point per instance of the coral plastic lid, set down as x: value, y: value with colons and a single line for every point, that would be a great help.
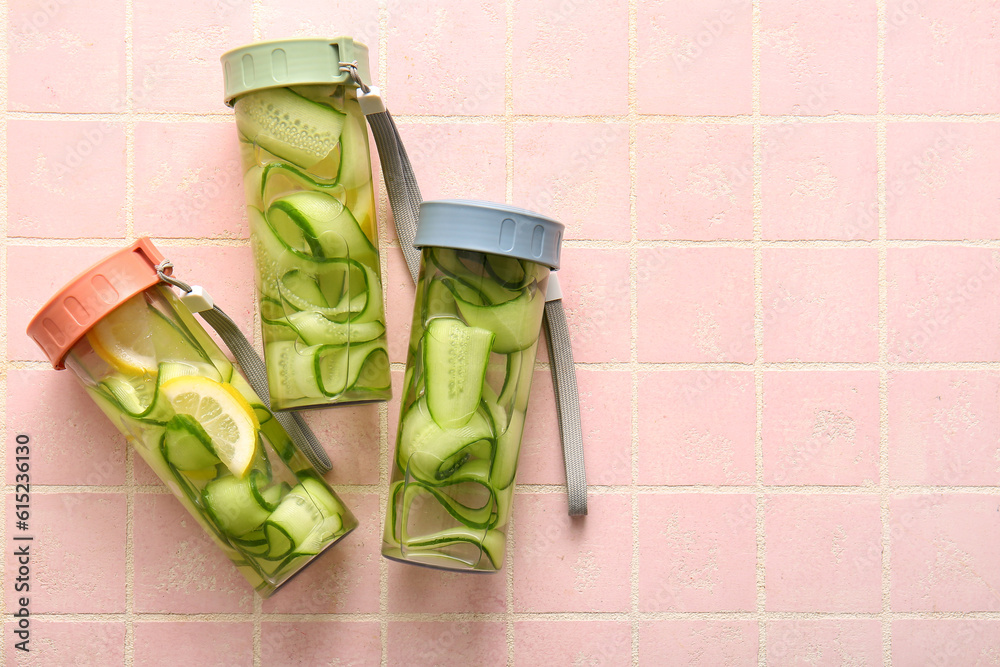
x: 78, y: 306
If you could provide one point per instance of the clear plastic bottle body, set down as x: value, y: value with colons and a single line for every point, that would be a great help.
x: 169, y: 389
x: 311, y: 207
x: 469, y: 367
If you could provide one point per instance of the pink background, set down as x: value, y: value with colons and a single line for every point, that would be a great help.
x: 782, y: 272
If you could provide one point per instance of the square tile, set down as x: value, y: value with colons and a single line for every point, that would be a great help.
x: 595, y: 296
x: 941, y: 557
x: 937, y: 174
x: 350, y: 435
x: 821, y: 304
x: 555, y: 57
x: 945, y: 641
x: 818, y: 58
x: 423, y: 590
x: 29, y: 287
x: 456, y: 161
x: 61, y: 171
x: 56, y: 64
x: 72, y: 441
x: 697, y: 427
x: 446, y: 58
x: 179, y: 569
x: 818, y: 181
x: 944, y: 304
x: 575, y: 173
x: 76, y: 559
x: 195, y: 192
x: 355, y: 643
x: 572, y: 643
x: 212, y: 644
x: 564, y: 563
x: 176, y: 49
x: 284, y: 19
x: 689, y: 314
x: 605, y: 416
x: 695, y: 181
x: 944, y: 428
x: 941, y: 57
x: 821, y: 427
x: 694, y: 57
x: 344, y: 578
x: 677, y: 643
x: 447, y: 643
x: 698, y: 552
x: 57, y: 642
x: 828, y: 643
x: 824, y: 553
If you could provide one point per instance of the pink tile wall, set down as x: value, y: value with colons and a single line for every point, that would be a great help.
x: 780, y: 274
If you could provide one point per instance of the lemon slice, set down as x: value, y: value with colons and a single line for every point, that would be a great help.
x: 124, y: 338
x: 222, y: 412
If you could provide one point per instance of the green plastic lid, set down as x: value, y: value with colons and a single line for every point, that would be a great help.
x: 291, y: 62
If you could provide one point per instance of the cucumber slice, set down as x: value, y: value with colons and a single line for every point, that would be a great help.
x: 508, y: 448
x: 301, y: 291
x: 431, y: 453
x: 315, y: 329
x: 271, y: 497
x: 187, y: 446
x: 291, y: 522
x: 467, y: 495
x: 334, y: 228
x: 291, y: 372
x: 338, y: 367
x: 515, y: 322
x: 354, y: 156
x: 491, y: 544
x: 233, y: 503
x: 295, y: 231
x: 455, y: 358
x: 289, y: 126
x: 374, y: 375
x: 317, y: 492
x: 276, y: 179
x: 510, y: 272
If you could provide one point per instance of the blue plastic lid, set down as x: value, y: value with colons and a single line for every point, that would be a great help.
x: 484, y: 226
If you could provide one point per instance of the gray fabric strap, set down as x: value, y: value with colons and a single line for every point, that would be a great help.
x: 404, y: 199
x: 567, y: 404
x: 198, y: 301
x: 400, y: 184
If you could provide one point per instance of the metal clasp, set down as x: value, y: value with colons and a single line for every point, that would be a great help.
x: 352, y: 69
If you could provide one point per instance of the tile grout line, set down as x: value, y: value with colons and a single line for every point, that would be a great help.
x: 499, y: 617
x: 5, y: 364
x: 883, y: 334
x: 255, y: 338
x: 508, y: 135
x: 523, y: 118
x: 758, y: 334
x: 383, y: 411
x: 708, y: 366
x: 595, y: 489
x: 633, y: 163
x: 602, y: 244
x: 129, y: 236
